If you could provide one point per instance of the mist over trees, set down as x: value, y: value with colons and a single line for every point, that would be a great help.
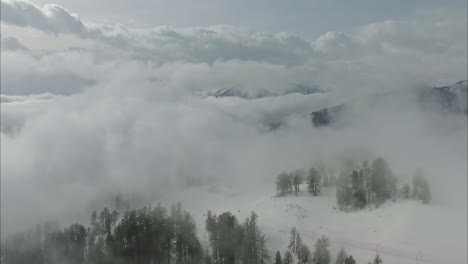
x: 147, y: 235
x: 343, y: 258
x: 157, y: 235
x: 366, y: 185
x: 421, y: 187
x: 232, y: 242
x: 298, y: 252
x: 298, y: 249
x: 314, y: 182
x: 284, y: 184
x: 143, y: 236
x: 357, y: 186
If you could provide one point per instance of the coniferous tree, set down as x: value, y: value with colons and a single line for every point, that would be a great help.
x: 278, y: 259
x: 295, y: 241
x: 366, y: 173
x: 234, y: 243
x: 321, y: 253
x: 284, y: 184
x: 341, y: 257
x: 377, y: 260
x: 350, y: 260
x: 344, y: 195
x: 264, y: 253
x: 76, y: 236
x: 297, y: 180
x: 383, y: 182
x: 314, y: 182
x: 358, y: 190
x: 405, y: 191
x: 303, y: 254
x: 137, y: 237
x: 288, y: 258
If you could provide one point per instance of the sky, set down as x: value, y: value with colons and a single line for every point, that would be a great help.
x: 106, y: 98
x: 307, y: 18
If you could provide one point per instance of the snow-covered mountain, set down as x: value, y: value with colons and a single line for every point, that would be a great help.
x: 299, y: 88
x: 272, y: 110
x: 451, y: 99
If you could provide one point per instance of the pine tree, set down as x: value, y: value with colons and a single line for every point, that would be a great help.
x: 383, y: 182
x: 278, y: 259
x: 264, y: 253
x: 298, y: 244
x: 76, y: 234
x: 341, y: 257
x: 314, y: 182
x: 350, y: 260
x: 366, y: 173
x: 344, y: 195
x: 406, y: 190
x: 357, y: 188
x: 284, y: 184
x: 297, y: 180
x: 377, y: 260
x: 303, y: 254
x: 292, y: 240
x: 288, y: 258
x: 321, y: 253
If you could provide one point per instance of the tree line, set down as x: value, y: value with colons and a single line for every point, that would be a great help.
x: 356, y: 186
x: 298, y: 252
x: 144, y: 236
x: 159, y: 236
x: 147, y: 235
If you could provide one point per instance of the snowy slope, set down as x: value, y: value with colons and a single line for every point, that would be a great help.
x: 401, y: 232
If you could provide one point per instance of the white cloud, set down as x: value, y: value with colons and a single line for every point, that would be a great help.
x: 133, y: 121
x: 396, y: 47
x: 164, y: 43
x: 51, y: 18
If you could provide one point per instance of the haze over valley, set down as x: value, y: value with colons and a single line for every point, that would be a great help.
x: 346, y: 126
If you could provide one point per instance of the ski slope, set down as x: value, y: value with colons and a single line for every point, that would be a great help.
x: 402, y: 232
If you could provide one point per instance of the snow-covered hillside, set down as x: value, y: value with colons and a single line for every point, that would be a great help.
x: 402, y: 232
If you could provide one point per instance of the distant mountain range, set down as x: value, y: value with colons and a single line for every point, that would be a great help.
x: 304, y: 89
x: 451, y: 98
x: 448, y: 99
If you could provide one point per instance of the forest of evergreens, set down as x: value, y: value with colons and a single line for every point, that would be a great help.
x: 157, y: 235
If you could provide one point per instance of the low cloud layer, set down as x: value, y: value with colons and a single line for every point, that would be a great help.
x: 127, y: 114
